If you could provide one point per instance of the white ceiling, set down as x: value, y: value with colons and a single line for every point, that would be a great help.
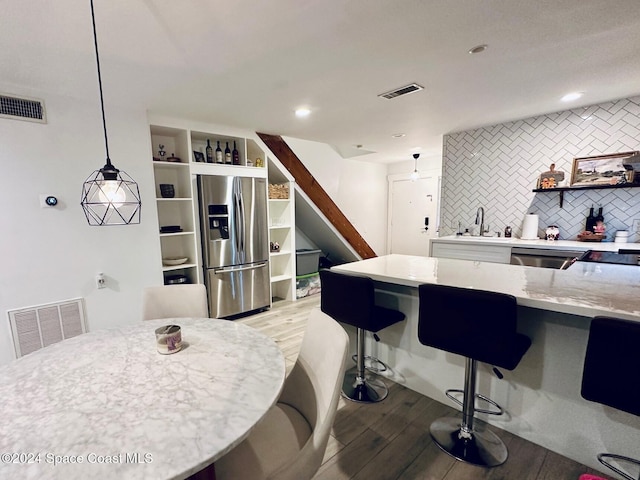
x: 250, y: 63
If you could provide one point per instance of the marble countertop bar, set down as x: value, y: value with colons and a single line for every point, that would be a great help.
x: 585, y: 289
x: 546, y: 244
x: 107, y: 405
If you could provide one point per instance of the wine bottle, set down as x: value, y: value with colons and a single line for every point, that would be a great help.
x: 218, y: 153
x: 209, y: 152
x: 591, y: 221
x: 235, y: 155
x: 227, y: 155
x: 599, y: 226
x: 599, y: 217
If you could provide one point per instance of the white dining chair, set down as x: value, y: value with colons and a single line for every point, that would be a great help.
x: 175, y: 301
x: 290, y: 441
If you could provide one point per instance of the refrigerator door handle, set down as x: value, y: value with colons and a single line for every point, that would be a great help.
x: 242, y: 218
x: 237, y: 216
x: 239, y: 269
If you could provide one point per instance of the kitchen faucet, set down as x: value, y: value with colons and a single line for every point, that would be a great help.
x: 480, y: 220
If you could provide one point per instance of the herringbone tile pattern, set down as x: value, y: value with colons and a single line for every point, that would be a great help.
x: 497, y: 167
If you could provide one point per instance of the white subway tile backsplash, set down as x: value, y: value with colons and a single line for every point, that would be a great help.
x: 497, y: 167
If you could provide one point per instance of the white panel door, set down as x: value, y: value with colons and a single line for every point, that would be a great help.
x: 412, y: 204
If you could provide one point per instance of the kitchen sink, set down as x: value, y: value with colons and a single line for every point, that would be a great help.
x: 469, y: 238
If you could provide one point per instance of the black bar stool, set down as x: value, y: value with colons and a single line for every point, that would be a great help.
x: 611, y: 362
x: 350, y: 299
x: 480, y: 326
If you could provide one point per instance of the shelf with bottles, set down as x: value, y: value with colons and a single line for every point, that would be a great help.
x: 561, y: 190
x: 247, y: 153
x: 226, y: 150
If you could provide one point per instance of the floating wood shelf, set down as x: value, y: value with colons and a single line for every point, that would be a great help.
x: 561, y: 190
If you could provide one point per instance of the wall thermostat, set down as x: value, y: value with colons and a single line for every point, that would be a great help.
x: 48, y: 201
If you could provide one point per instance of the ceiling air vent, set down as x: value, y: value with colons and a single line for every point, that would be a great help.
x: 29, y: 109
x: 413, y: 87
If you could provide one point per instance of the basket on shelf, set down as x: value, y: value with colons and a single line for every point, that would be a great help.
x: 278, y: 191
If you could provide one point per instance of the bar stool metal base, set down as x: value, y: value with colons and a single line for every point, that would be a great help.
x: 363, y: 389
x: 483, y: 448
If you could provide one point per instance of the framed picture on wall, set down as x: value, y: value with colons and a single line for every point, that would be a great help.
x: 601, y: 170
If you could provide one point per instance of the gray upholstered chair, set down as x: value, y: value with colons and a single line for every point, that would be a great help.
x: 290, y: 441
x: 175, y: 301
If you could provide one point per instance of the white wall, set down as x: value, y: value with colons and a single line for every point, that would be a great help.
x: 358, y: 188
x: 427, y: 165
x: 52, y: 254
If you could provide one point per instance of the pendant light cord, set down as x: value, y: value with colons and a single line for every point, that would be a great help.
x: 104, y: 122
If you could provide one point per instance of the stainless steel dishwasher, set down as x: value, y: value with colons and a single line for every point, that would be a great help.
x: 544, y: 258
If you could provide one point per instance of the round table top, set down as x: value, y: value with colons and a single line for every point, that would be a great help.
x: 107, y: 405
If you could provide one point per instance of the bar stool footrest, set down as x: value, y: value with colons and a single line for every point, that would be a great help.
x: 500, y: 411
x: 484, y: 448
x: 371, y: 362
x: 605, y: 459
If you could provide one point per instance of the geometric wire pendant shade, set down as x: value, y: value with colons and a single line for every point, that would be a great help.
x: 111, y: 202
x: 109, y: 196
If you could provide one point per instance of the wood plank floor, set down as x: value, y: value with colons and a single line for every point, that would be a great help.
x: 390, y: 440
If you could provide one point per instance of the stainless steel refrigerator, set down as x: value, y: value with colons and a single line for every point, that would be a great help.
x: 235, y: 251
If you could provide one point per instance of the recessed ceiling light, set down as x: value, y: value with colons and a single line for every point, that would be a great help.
x: 303, y: 112
x: 478, y: 49
x: 569, y: 97
x: 399, y: 135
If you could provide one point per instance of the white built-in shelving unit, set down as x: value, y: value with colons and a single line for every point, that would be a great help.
x: 185, y: 141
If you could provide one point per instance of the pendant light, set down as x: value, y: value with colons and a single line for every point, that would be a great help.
x: 415, y: 174
x: 109, y: 195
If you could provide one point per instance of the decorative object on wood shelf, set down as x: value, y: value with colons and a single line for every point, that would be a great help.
x: 173, y: 159
x: 278, y: 191
x: 601, y: 170
x: 275, y: 246
x: 551, y: 179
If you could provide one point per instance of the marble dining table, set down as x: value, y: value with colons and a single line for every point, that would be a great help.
x: 107, y: 405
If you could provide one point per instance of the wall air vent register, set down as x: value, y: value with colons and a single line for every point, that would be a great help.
x: 36, y: 327
x: 29, y: 109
